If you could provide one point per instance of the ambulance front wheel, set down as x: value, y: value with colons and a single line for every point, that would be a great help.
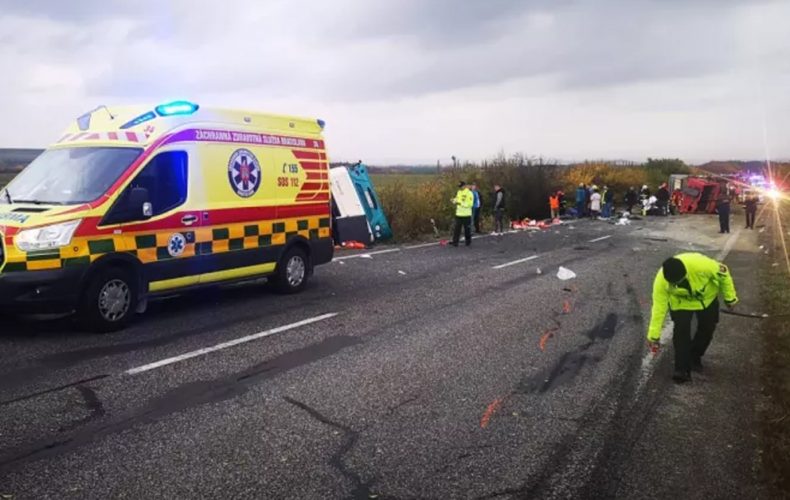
x: 109, y: 301
x: 292, y: 271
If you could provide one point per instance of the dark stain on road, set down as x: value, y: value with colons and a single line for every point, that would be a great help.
x: 92, y: 403
x: 180, y: 398
x: 570, y: 364
x: 605, y: 330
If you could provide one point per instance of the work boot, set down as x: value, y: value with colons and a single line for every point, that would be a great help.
x: 696, y: 364
x: 681, y: 376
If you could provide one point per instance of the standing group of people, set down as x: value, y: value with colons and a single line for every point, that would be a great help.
x: 723, y: 205
x: 592, y: 202
x: 468, y: 204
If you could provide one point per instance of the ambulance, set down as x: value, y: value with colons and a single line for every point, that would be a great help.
x: 135, y: 202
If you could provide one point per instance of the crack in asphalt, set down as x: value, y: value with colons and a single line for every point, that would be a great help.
x: 360, y: 490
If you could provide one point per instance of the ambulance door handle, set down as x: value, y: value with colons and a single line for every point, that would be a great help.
x: 188, y: 220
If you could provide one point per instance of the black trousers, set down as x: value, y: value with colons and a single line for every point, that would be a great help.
x: 750, y: 219
x: 724, y: 221
x: 499, y: 215
x: 466, y: 223
x: 476, y: 216
x: 686, y: 347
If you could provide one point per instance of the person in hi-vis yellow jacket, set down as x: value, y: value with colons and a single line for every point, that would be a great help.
x: 463, y: 201
x: 689, y: 284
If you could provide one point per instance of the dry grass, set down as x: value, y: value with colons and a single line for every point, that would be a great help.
x: 775, y: 296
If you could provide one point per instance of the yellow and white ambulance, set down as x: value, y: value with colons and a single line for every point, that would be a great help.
x: 132, y: 202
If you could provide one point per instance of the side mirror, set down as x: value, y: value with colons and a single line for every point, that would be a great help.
x: 140, y: 203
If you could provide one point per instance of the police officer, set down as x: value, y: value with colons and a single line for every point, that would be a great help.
x: 723, y: 209
x: 689, y: 284
x: 464, y: 201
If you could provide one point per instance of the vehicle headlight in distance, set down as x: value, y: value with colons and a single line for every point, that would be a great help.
x: 46, y: 237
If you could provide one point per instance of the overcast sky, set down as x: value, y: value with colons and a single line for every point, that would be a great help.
x: 421, y: 80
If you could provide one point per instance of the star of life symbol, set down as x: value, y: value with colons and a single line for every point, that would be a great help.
x: 244, y: 173
x: 176, y: 245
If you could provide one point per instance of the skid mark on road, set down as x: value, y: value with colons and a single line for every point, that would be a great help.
x: 180, y: 398
x: 570, y: 364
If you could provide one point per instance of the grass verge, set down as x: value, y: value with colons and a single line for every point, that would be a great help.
x: 775, y: 296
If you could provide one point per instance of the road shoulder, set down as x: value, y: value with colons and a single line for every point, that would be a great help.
x: 701, y: 440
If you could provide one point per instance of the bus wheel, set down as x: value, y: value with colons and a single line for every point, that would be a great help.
x: 109, y: 301
x: 292, y: 272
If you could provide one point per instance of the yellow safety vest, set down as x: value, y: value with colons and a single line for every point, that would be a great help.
x: 464, y: 200
x: 707, y: 278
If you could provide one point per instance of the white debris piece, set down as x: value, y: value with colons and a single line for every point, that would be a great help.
x: 401, y: 272
x: 762, y: 230
x: 539, y: 271
x: 623, y: 222
x: 564, y: 273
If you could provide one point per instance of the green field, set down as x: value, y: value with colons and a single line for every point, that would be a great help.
x: 382, y: 180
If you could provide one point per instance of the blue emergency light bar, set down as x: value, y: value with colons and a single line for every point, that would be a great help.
x: 321, y: 123
x: 140, y: 119
x: 176, y: 108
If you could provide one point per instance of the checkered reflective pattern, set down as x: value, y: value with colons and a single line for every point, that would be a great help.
x: 153, y: 247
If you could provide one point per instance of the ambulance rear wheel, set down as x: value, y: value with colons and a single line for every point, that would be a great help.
x: 109, y: 301
x: 292, y: 272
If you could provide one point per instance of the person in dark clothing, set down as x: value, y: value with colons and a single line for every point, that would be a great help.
x: 581, y: 195
x: 608, y: 202
x: 561, y: 196
x: 751, y: 210
x: 723, y: 209
x: 630, y: 199
x: 499, y: 209
x: 587, y: 195
x: 662, y: 199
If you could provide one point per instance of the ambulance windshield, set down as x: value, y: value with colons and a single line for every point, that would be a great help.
x: 70, y: 176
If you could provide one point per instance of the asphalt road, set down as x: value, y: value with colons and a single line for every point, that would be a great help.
x: 412, y: 372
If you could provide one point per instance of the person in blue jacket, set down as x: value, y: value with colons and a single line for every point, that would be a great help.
x: 476, y: 207
x: 581, y: 199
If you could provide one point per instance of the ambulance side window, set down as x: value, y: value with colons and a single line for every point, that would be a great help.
x: 165, y: 178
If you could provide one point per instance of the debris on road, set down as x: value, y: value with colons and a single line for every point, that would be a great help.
x: 539, y: 271
x: 545, y: 337
x: 490, y: 410
x: 402, y: 272
x: 564, y: 274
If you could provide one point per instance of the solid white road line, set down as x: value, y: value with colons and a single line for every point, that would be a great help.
x: 601, y: 238
x: 225, y: 345
x: 366, y: 254
x: 423, y: 245
x: 519, y: 261
x: 728, y: 245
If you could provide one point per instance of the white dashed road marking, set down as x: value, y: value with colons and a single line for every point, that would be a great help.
x: 365, y: 255
x: 225, y: 345
x: 513, y: 263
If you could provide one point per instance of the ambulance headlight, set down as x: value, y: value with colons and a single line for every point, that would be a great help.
x: 46, y: 237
